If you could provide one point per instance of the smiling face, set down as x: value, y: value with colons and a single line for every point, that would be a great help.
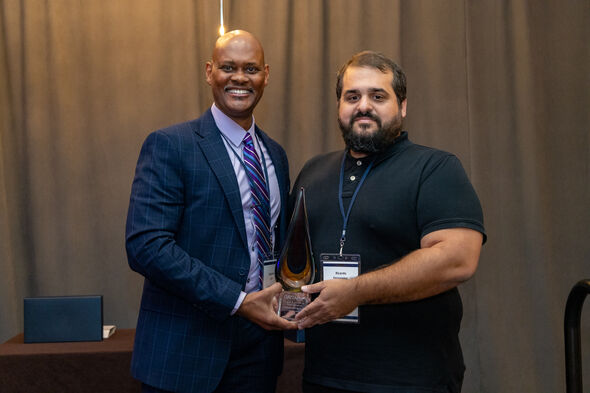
x: 368, y: 112
x: 237, y: 75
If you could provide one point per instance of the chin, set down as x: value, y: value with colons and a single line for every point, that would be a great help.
x: 364, y: 131
x: 240, y: 107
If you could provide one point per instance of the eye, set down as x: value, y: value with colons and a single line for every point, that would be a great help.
x: 252, y: 69
x: 352, y: 98
x: 378, y: 97
x: 226, y: 68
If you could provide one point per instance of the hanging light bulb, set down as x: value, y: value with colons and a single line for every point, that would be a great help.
x: 221, y: 26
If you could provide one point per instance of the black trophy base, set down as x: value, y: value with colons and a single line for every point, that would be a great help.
x: 290, y: 303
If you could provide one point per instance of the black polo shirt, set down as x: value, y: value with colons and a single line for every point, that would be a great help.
x: 410, y: 191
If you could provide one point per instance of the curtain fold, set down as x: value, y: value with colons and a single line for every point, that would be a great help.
x: 502, y: 84
x: 14, y: 247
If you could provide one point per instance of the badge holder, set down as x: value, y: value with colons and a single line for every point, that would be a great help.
x: 344, y: 267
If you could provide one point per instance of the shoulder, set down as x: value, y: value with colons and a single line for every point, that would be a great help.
x: 320, y: 167
x: 425, y: 153
x: 204, y: 123
x: 326, y: 160
x: 427, y: 160
x: 183, y: 132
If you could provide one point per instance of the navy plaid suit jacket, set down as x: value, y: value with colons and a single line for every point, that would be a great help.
x: 186, y: 235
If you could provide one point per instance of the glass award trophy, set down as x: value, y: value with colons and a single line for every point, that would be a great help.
x: 295, y: 267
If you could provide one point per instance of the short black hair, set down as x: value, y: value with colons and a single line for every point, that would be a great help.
x: 382, y: 63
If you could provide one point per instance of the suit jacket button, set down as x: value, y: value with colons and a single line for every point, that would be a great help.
x: 242, y: 272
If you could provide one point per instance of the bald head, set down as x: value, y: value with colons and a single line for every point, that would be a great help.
x: 238, y: 39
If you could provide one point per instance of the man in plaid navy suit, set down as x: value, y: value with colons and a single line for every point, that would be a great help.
x: 204, y: 324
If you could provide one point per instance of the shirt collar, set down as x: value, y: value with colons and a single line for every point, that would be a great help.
x: 232, y: 130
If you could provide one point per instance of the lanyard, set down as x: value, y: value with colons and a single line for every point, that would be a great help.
x: 346, y: 215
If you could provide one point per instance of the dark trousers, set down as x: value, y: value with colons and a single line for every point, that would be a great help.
x: 150, y: 389
x: 309, y: 387
x: 254, y: 361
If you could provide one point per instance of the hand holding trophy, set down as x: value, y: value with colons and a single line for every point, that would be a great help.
x: 295, y: 267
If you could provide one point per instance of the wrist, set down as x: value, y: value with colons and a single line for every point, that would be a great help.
x: 243, y: 307
x: 356, y: 291
x: 239, y: 302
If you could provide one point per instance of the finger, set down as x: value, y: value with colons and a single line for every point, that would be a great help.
x: 314, y: 314
x: 313, y: 288
x: 308, y: 322
x: 283, y: 324
x: 276, y: 287
x: 308, y: 310
x: 317, y: 318
x: 273, y: 290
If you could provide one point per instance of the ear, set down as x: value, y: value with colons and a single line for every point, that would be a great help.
x: 208, y: 71
x: 266, y: 74
x: 403, y: 107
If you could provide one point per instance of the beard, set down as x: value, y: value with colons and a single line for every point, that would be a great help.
x: 362, y: 141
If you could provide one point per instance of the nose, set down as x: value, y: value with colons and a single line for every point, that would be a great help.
x: 239, y: 77
x: 364, y: 104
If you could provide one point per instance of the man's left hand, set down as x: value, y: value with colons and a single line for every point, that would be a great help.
x: 336, y: 298
x: 260, y: 307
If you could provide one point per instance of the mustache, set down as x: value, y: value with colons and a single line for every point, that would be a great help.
x: 365, y: 114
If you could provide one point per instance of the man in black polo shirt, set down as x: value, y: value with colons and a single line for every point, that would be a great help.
x: 404, y: 224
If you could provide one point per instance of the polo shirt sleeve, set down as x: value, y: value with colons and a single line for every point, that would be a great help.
x: 446, y: 198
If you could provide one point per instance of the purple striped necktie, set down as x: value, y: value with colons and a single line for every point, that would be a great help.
x: 260, y: 204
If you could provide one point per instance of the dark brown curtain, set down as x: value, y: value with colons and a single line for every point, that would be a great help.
x: 503, y: 84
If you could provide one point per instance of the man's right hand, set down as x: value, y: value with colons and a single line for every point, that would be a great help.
x: 261, y: 308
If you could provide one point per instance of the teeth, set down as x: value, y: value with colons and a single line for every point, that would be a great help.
x: 238, y: 91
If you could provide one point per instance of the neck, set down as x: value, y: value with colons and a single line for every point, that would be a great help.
x: 244, y: 123
x: 356, y: 154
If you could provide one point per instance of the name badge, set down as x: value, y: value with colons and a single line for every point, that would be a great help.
x: 345, y: 266
x: 269, y: 272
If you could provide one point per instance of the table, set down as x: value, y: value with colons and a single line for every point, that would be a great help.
x: 100, y: 367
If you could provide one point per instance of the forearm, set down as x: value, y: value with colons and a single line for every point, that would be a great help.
x: 446, y: 259
x: 157, y: 256
x: 420, y: 274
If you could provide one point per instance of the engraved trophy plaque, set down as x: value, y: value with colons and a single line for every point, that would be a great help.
x: 295, y: 267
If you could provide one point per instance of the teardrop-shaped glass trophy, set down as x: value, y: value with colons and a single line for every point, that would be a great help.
x: 295, y: 267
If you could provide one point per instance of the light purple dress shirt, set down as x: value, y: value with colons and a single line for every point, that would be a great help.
x: 233, y: 135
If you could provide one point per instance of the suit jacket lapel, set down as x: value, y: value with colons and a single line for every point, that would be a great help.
x: 282, y: 173
x: 215, y: 152
x: 280, y: 169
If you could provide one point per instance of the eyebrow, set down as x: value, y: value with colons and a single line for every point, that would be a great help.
x: 233, y: 62
x: 371, y: 90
